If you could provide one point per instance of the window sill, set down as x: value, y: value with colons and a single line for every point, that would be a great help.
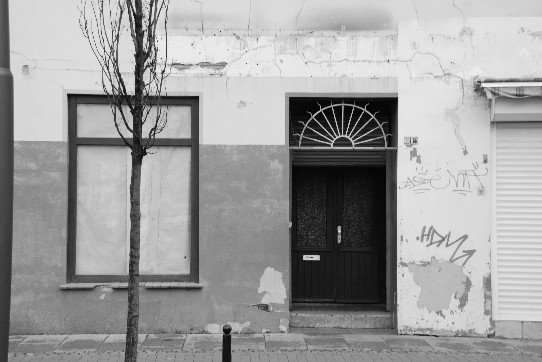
x: 146, y: 285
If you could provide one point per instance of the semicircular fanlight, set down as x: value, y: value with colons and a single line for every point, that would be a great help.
x: 343, y: 125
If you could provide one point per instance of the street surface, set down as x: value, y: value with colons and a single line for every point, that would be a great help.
x: 303, y: 345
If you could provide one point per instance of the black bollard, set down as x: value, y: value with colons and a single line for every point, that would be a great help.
x: 226, y: 344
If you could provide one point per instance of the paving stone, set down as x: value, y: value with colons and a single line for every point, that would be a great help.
x: 164, y: 342
x: 48, y: 338
x: 527, y: 346
x: 38, y: 344
x: 407, y: 343
x: 326, y: 342
x: 34, y: 347
x: 251, y: 342
x: 284, y: 341
x: 492, y: 346
x: 117, y: 342
x: 449, y: 344
x: 366, y: 342
x: 197, y: 342
x: 82, y: 343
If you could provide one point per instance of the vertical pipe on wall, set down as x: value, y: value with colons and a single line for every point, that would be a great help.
x: 6, y: 179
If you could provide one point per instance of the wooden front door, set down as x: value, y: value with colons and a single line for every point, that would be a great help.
x: 339, y: 234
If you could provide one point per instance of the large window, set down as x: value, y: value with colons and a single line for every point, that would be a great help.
x: 99, y: 195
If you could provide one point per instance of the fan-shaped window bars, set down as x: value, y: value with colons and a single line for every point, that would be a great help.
x: 336, y: 123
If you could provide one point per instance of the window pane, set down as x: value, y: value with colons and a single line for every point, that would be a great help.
x: 178, y: 121
x: 96, y: 120
x: 165, y: 211
x: 101, y: 210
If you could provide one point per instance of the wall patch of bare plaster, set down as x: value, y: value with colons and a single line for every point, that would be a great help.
x: 284, y: 325
x: 272, y: 285
x: 105, y: 290
x: 213, y: 68
x: 236, y: 327
x: 440, y: 281
x: 414, y: 155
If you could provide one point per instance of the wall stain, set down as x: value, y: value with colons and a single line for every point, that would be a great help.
x: 450, y: 114
x: 487, y: 295
x: 440, y: 281
x: 204, y: 65
x: 414, y: 155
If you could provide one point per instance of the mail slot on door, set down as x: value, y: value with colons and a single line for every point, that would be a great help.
x: 311, y: 257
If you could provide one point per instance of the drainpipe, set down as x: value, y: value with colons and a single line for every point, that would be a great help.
x: 6, y: 179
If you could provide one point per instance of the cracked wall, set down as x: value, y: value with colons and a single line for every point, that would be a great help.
x: 242, y: 77
x: 444, y: 200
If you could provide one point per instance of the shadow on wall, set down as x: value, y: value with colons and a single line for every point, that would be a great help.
x: 290, y: 16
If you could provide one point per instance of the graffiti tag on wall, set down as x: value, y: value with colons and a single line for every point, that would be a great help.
x: 461, y: 182
x: 431, y: 237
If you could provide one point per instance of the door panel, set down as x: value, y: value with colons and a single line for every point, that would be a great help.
x: 351, y: 270
x: 311, y: 234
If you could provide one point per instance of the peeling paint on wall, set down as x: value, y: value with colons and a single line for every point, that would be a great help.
x: 105, y: 290
x: 440, y: 281
x: 414, y: 155
x: 213, y: 328
x: 284, y: 325
x: 487, y: 295
x: 272, y: 285
x: 236, y: 327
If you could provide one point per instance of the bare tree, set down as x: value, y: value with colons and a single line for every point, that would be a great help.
x: 112, y: 28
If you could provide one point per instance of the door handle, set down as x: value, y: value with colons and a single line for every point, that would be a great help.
x: 339, y: 234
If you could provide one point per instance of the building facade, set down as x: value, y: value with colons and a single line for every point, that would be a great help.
x: 383, y: 158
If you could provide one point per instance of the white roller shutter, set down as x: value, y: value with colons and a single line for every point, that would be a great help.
x: 518, y: 220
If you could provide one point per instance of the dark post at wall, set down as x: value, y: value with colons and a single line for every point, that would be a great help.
x: 6, y: 179
x: 226, y: 343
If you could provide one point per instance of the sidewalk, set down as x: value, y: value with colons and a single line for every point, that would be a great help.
x: 303, y: 346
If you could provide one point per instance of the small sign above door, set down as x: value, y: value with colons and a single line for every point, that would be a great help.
x: 411, y: 141
x: 311, y: 257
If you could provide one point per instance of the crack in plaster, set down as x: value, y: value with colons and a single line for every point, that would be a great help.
x: 458, y: 8
x: 200, y: 2
x: 299, y: 13
x: 249, y: 15
x: 415, y: 9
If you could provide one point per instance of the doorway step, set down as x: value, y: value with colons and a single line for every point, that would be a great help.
x: 305, y: 315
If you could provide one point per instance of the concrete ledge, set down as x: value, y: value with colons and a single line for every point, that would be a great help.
x: 172, y: 285
x: 508, y: 329
x: 78, y: 286
x: 146, y: 285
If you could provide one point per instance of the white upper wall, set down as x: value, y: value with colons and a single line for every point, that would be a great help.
x: 50, y: 57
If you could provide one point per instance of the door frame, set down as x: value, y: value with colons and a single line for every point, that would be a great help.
x: 357, y: 158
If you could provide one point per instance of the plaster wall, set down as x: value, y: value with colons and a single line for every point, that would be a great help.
x: 243, y: 250
x: 244, y: 192
x: 443, y: 195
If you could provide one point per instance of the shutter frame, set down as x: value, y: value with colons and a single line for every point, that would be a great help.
x: 517, y: 221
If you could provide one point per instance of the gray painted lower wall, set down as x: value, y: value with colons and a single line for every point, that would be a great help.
x: 243, y: 236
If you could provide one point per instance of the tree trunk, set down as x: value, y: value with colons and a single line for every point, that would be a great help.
x: 133, y: 279
x: 138, y: 152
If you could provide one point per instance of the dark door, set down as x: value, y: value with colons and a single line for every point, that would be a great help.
x: 338, y: 235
